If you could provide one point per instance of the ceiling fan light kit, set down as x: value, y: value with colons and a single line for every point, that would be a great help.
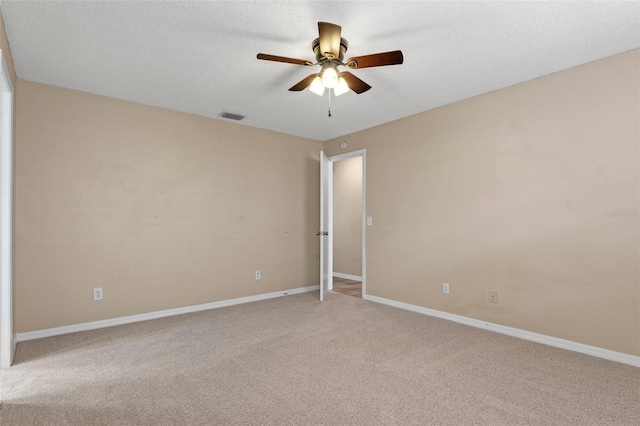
x: 317, y: 86
x: 329, y: 49
x: 341, y: 87
x: 329, y: 75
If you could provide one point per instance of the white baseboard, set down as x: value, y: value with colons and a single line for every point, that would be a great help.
x: 38, y: 334
x: 515, y: 332
x: 347, y: 276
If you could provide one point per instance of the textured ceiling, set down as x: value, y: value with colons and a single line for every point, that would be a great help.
x: 200, y: 57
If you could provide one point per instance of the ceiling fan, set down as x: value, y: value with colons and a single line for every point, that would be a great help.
x: 329, y: 49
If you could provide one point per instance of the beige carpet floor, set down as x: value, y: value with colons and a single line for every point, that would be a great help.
x: 297, y: 361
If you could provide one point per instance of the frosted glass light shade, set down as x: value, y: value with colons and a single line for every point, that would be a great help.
x: 317, y: 86
x: 341, y: 87
x: 329, y: 77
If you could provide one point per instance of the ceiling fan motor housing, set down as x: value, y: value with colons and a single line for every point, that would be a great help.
x: 315, y: 45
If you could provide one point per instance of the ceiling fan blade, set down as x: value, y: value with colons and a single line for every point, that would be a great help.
x: 329, y: 39
x: 275, y: 58
x: 375, y: 60
x: 304, y: 83
x: 355, y: 83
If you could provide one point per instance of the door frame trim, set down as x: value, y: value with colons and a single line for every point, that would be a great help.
x: 345, y: 156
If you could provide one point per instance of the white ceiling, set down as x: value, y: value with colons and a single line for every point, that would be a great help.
x: 200, y: 57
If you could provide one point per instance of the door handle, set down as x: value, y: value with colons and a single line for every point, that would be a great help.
x: 323, y: 233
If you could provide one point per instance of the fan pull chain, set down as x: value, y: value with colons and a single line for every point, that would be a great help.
x: 329, y: 102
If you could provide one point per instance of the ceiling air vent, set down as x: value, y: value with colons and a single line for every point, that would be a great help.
x: 231, y: 116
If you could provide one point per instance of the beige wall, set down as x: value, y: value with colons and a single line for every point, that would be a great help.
x: 161, y: 209
x: 347, y: 216
x: 508, y: 191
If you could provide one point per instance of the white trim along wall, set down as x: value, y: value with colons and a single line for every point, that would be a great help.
x: 497, y: 328
x: 347, y: 276
x: 515, y: 332
x: 39, y: 334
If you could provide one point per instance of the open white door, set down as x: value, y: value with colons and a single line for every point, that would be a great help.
x: 7, y: 338
x: 325, y: 211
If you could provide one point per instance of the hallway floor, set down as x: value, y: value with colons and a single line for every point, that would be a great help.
x: 348, y: 287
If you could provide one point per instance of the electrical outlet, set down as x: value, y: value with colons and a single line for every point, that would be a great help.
x: 493, y: 297
x: 445, y: 288
x: 258, y: 275
x: 98, y: 293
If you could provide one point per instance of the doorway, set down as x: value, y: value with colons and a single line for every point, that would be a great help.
x: 347, y: 226
x: 328, y: 226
